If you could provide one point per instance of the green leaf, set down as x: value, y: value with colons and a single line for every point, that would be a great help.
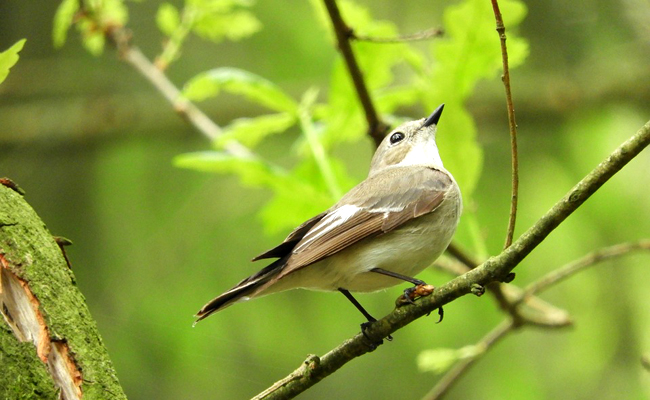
x: 250, y: 131
x: 168, y: 18
x: 63, y: 19
x: 294, y: 197
x: 303, y: 194
x: 255, y: 88
x: 94, y: 42
x: 440, y: 360
x: 9, y: 58
x: 252, y: 171
x: 234, y: 26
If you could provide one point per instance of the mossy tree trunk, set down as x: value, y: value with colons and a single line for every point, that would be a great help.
x: 49, y: 343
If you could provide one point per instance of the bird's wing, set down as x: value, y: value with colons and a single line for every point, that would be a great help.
x: 290, y: 242
x: 378, y: 205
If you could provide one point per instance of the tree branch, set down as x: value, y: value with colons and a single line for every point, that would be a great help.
x: 501, y: 30
x: 494, y: 269
x: 185, y: 108
x: 551, y: 279
x: 377, y: 129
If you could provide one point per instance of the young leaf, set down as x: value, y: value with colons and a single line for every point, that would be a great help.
x: 9, y: 58
x: 63, y: 19
x: 235, y: 25
x: 440, y: 360
x: 252, y: 171
x: 237, y: 81
x: 250, y: 131
x: 168, y: 18
x: 295, y: 198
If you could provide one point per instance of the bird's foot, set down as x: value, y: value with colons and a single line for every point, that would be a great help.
x: 372, y: 343
x: 415, y: 292
x: 412, y: 293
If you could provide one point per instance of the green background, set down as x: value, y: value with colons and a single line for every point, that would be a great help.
x: 92, y: 144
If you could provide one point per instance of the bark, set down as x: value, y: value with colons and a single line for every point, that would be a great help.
x: 49, y: 344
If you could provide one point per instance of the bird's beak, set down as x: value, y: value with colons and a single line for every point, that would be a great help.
x: 434, y: 117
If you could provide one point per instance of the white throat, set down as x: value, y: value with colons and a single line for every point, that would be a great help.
x: 426, y: 155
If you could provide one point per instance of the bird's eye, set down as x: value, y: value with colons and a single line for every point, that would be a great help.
x: 396, y: 137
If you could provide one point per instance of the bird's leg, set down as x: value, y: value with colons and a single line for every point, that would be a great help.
x: 365, y: 313
x: 419, y: 290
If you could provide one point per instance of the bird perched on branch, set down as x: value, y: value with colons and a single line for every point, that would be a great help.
x: 384, y: 231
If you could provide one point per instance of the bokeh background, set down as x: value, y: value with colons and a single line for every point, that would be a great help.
x: 92, y: 144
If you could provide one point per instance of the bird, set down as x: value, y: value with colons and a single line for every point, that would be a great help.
x: 384, y: 231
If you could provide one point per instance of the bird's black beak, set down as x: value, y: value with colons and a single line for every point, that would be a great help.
x: 434, y: 117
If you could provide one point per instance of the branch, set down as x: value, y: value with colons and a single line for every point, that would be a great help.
x: 534, y: 311
x: 423, y: 35
x: 501, y: 30
x: 494, y: 269
x: 587, y: 261
x: 376, y: 128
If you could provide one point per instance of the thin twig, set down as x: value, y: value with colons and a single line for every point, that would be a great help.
x: 493, y: 269
x: 462, y: 256
x: 512, y: 123
x: 376, y: 128
x: 423, y: 35
x: 447, y: 381
x: 587, y: 261
x: 133, y: 56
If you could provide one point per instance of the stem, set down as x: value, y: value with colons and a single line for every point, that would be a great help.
x: 587, y: 261
x: 376, y: 128
x: 501, y: 30
x: 423, y: 35
x: 173, y: 45
x: 319, y: 154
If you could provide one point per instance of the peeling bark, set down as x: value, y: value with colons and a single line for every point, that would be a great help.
x: 41, y: 305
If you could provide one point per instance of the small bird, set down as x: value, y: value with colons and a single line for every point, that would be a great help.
x: 384, y: 231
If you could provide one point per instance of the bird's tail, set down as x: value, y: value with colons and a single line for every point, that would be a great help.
x: 245, y: 289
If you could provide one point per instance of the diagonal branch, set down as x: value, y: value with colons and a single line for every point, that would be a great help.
x: 552, y: 278
x: 376, y: 128
x: 512, y: 123
x: 494, y: 269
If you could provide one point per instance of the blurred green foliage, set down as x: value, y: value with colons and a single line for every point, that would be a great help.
x: 9, y: 58
x: 93, y: 146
